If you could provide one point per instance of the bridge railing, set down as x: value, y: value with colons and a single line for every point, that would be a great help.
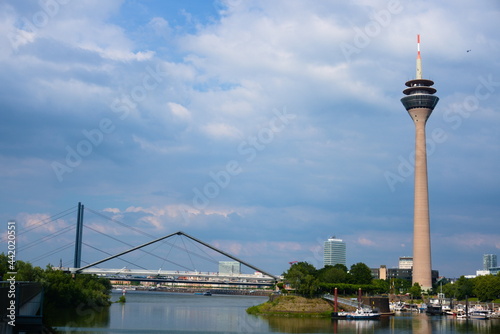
x: 125, y: 271
x: 345, y: 301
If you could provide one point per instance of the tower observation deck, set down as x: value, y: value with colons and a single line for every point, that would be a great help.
x: 420, y: 102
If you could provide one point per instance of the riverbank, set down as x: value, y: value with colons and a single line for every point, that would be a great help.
x: 293, y: 306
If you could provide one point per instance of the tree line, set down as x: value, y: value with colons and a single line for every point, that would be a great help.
x: 308, y: 281
x: 484, y: 288
x: 61, y: 289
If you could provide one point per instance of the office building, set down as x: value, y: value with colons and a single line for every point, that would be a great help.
x: 405, y: 262
x: 489, y: 261
x: 229, y: 268
x: 334, y: 252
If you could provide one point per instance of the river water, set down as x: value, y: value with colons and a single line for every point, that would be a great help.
x: 159, y: 312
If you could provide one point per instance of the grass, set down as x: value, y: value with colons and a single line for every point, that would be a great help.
x: 293, y: 306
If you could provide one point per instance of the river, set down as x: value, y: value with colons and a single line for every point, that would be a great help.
x: 159, y: 312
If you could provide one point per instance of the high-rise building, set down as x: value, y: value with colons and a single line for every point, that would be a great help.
x: 334, y: 252
x: 489, y: 261
x: 229, y: 267
x: 420, y: 102
x: 405, y: 262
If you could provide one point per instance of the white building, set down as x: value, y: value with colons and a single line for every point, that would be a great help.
x: 334, y: 252
x: 229, y: 267
x: 405, y: 262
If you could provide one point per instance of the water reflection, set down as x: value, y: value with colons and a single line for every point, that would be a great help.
x: 183, y: 313
x: 94, y: 317
x: 411, y: 323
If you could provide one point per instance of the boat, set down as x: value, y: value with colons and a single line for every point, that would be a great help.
x: 206, y: 293
x: 361, y: 313
x: 434, y: 310
x: 339, y: 315
x: 422, y: 308
x: 478, y: 312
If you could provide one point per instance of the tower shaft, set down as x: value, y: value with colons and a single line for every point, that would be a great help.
x: 422, y: 272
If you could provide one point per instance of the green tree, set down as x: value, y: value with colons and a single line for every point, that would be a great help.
x: 464, y: 288
x: 415, y: 291
x: 381, y: 286
x: 486, y: 287
x: 360, y: 274
x: 26, y: 272
x: 400, y: 286
x: 341, y: 267
x: 62, y: 290
x: 449, y: 290
x: 302, y: 277
x: 331, y: 274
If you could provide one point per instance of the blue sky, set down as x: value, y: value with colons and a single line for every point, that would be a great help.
x: 262, y: 127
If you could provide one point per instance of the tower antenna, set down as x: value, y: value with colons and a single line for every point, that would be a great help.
x: 419, y: 60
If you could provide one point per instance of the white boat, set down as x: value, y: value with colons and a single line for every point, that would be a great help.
x: 360, y: 313
x: 474, y: 313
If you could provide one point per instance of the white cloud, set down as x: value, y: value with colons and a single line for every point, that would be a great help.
x: 222, y: 131
x: 41, y: 222
x: 365, y: 242
x: 179, y: 111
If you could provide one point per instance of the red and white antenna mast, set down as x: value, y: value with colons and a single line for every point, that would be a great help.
x: 419, y: 60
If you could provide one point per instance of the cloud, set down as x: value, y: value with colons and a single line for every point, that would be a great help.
x: 222, y: 131
x: 365, y: 242
x: 186, y: 89
x: 41, y: 222
x: 179, y: 111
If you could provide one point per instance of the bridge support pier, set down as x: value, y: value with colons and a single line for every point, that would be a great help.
x: 79, y: 232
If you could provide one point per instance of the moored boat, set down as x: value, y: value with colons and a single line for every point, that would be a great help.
x: 434, y: 310
x: 360, y: 313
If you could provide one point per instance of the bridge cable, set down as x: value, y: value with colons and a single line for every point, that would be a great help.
x: 171, y: 247
x: 100, y: 250
x: 210, y: 258
x: 125, y: 243
x: 47, y: 237
x: 49, y: 219
x: 41, y: 222
x: 54, y: 251
x: 190, y: 259
x: 120, y: 223
x: 151, y: 236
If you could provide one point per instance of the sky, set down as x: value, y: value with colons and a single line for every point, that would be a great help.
x: 260, y: 127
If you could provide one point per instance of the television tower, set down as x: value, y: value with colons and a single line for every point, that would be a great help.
x: 420, y: 102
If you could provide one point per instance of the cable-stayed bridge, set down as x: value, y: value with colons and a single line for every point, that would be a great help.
x: 132, y: 254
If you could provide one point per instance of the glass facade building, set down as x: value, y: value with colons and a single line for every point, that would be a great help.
x: 229, y: 267
x: 334, y: 252
x: 489, y: 261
